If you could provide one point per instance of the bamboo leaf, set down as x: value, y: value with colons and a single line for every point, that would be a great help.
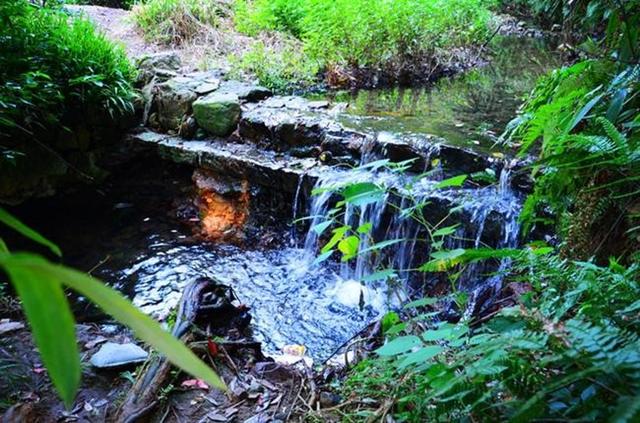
x: 18, y: 226
x: 51, y: 321
x: 113, y: 303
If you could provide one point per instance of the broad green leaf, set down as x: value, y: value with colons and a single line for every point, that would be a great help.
x: 113, y: 303
x: 382, y: 244
x: 421, y: 303
x: 448, y: 254
x: 388, y: 320
x: 322, y: 257
x: 51, y: 322
x: 449, y: 230
x: 321, y: 227
x: 423, y: 354
x: 455, y: 181
x: 379, y: 275
x: 18, y: 226
x: 365, y: 228
x: 362, y: 193
x: 338, y: 234
x: 399, y: 345
x: 395, y: 329
x: 349, y: 247
x: 583, y: 112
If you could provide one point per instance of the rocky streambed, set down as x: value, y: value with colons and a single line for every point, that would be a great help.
x: 215, y: 178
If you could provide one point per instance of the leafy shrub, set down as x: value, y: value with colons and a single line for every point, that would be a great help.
x: 52, y: 67
x: 175, y: 21
x: 385, y: 35
x: 570, y: 351
x: 280, y: 67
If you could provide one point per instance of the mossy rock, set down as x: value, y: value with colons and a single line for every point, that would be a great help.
x: 218, y: 113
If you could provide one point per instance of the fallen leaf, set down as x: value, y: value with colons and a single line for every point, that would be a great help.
x: 194, y: 384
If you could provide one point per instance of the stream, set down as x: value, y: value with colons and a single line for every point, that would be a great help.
x: 129, y: 234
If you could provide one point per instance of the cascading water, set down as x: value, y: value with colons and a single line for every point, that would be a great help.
x: 495, y: 206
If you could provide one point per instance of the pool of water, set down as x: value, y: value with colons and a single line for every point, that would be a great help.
x: 470, y: 110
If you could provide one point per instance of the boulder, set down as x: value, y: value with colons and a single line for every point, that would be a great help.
x: 150, y: 65
x: 245, y: 92
x: 218, y: 113
x: 112, y: 355
x: 173, y: 100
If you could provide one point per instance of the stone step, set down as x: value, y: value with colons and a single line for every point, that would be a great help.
x: 283, y: 173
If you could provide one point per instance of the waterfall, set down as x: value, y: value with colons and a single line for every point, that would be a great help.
x: 482, y: 211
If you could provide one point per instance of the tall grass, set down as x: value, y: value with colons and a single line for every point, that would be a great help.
x: 52, y: 65
x: 176, y: 21
x: 378, y: 34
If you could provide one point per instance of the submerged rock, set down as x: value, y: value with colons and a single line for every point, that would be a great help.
x: 113, y: 355
x: 218, y: 113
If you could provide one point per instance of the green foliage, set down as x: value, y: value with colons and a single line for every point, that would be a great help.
x: 569, y: 352
x: 52, y: 67
x: 40, y: 287
x: 281, y: 67
x: 385, y: 35
x: 584, y: 122
x: 176, y: 21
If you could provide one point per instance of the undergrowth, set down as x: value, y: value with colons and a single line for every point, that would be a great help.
x: 348, y: 37
x: 51, y: 67
x: 569, y: 351
x: 280, y: 67
x: 176, y: 21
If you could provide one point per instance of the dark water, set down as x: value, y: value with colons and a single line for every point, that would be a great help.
x: 470, y: 110
x: 128, y: 234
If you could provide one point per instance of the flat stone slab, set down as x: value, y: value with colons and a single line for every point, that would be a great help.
x: 112, y: 355
x: 286, y: 123
x: 243, y: 161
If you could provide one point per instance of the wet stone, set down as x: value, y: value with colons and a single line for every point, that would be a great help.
x: 112, y: 355
x: 218, y: 113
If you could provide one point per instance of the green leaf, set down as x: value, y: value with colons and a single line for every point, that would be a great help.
x: 449, y: 230
x: 421, y: 355
x: 18, y: 226
x: 379, y: 275
x: 448, y: 254
x: 399, y: 345
x: 455, y: 181
x: 382, y: 244
x: 421, y: 303
x: 362, y: 193
x: 365, y: 228
x: 349, y: 247
x: 113, y: 303
x: 321, y: 227
x: 338, y: 234
x: 583, y: 112
x: 388, y: 320
x: 322, y: 257
x: 51, y: 322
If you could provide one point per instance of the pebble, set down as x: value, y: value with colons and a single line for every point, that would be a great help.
x: 113, y: 355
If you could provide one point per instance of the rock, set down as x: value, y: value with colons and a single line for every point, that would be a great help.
x: 218, y: 113
x: 157, y: 64
x: 329, y: 399
x: 207, y: 87
x: 113, y: 355
x: 245, y: 92
x: 173, y: 100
